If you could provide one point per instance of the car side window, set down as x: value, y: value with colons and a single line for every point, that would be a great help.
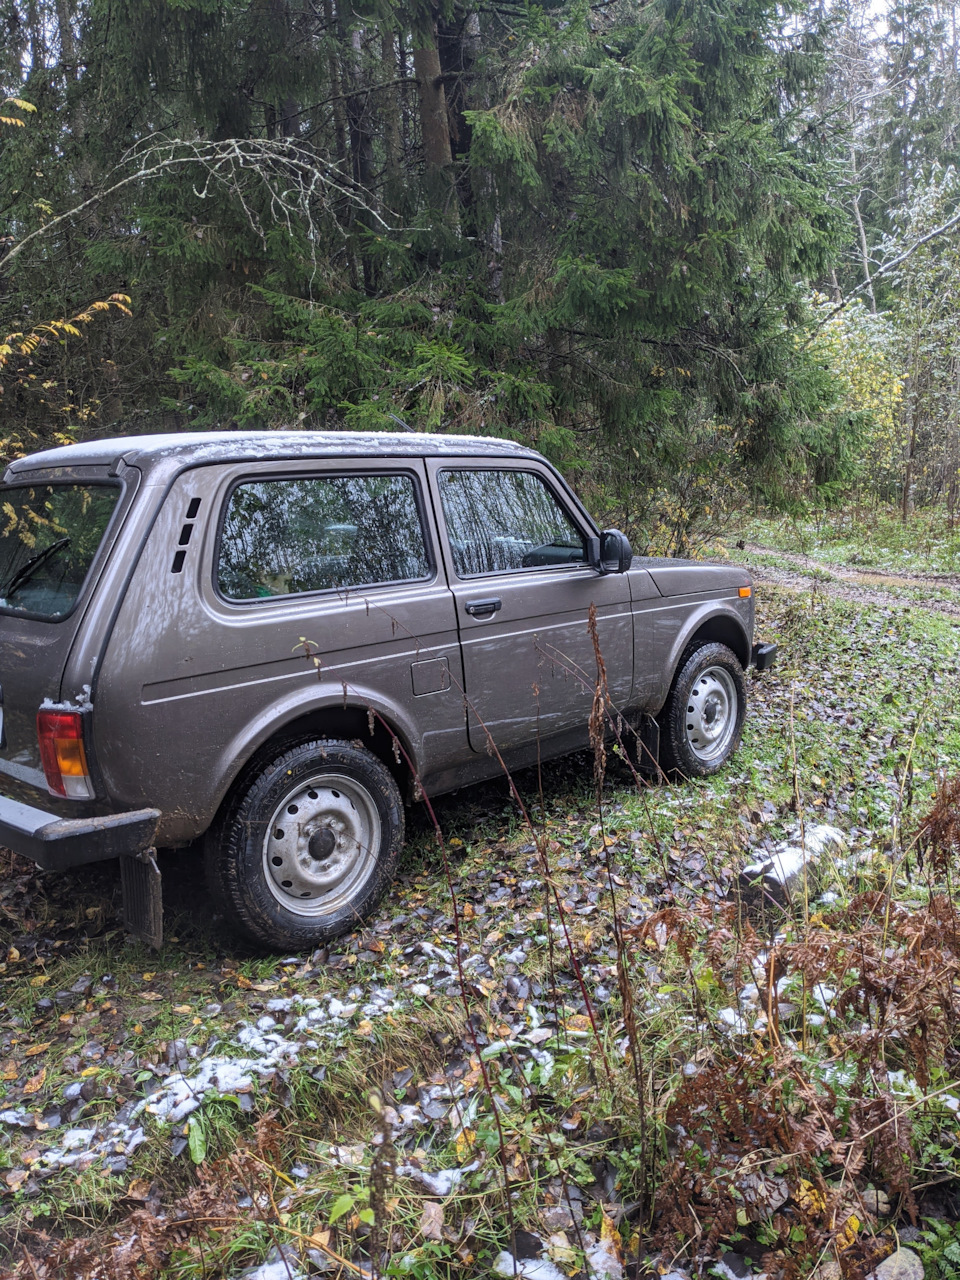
x: 502, y: 520
x: 288, y: 536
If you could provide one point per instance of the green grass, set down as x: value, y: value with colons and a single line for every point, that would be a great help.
x: 865, y: 537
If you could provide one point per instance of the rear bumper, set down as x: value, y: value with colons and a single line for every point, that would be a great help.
x: 763, y: 656
x: 59, y: 843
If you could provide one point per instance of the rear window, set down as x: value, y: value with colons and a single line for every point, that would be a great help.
x: 49, y: 535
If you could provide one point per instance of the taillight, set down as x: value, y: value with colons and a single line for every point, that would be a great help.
x: 62, y: 755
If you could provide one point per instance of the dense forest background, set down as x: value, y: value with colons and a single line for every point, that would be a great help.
x: 696, y: 253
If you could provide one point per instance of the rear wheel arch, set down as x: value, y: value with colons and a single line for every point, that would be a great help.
x: 367, y: 727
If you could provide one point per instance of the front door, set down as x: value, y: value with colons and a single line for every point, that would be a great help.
x: 523, y: 590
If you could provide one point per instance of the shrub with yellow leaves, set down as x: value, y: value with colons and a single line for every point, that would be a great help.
x: 860, y: 351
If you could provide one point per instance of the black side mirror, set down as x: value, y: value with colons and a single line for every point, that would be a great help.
x: 611, y: 552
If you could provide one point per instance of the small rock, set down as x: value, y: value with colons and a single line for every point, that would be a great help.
x: 176, y: 1053
x: 556, y: 1218
x: 902, y: 1265
x: 876, y: 1202
x: 828, y: 1270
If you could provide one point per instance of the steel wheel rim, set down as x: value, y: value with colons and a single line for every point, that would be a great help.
x: 711, y: 714
x: 321, y: 845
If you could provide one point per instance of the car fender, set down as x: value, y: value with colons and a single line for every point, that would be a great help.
x: 279, y: 716
x: 719, y: 620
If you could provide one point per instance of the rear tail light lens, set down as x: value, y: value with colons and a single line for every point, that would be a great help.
x: 62, y: 755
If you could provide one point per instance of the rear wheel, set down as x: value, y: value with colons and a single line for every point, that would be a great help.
x: 701, y: 723
x: 307, y: 845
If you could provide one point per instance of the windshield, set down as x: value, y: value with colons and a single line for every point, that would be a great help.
x: 49, y: 535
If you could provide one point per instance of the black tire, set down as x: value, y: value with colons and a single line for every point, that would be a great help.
x: 702, y: 719
x: 306, y: 845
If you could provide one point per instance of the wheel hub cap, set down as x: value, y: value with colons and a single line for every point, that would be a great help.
x: 321, y: 844
x: 711, y: 719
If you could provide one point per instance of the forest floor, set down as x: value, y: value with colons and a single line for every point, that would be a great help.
x: 577, y: 1040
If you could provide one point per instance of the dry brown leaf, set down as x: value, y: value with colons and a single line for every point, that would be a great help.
x: 431, y: 1220
x: 35, y: 1083
x: 36, y: 1049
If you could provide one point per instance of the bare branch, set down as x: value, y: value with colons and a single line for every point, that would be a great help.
x: 885, y: 269
x: 298, y: 184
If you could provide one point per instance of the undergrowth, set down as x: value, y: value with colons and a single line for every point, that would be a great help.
x: 602, y: 1041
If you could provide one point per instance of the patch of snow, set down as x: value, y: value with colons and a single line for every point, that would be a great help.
x: 440, y: 1183
x: 507, y: 1266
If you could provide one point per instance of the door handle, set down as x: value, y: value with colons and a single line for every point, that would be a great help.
x: 484, y: 608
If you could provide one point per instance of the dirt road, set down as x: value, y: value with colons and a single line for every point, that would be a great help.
x: 867, y: 586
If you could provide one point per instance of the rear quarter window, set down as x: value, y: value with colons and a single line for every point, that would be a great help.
x: 290, y: 536
x: 49, y: 536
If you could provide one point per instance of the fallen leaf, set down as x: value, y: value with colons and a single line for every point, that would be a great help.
x: 150, y: 995
x: 38, y: 1048
x: 16, y: 1178
x: 809, y: 1198
x: 182, y: 1008
x: 39, y: 980
x: 35, y: 1083
x: 263, y: 986
x: 89, y: 1071
x: 139, y: 1189
x: 847, y: 1235
x: 560, y: 1249
x: 465, y: 1140
x: 431, y: 1220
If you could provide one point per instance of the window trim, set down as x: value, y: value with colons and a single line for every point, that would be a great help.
x: 325, y: 593
x: 106, y: 539
x: 443, y: 470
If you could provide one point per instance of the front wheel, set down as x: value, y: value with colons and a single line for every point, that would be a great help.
x: 701, y: 723
x: 307, y: 845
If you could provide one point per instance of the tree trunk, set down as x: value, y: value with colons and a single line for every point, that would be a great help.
x: 435, y: 128
x: 458, y: 46
x: 361, y: 148
x: 907, y: 502
x: 392, y: 144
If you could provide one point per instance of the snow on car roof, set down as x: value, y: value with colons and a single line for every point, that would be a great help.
x: 217, y: 446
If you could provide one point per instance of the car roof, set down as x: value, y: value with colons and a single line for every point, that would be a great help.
x: 189, y: 447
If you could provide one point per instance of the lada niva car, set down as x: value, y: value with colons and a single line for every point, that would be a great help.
x: 271, y: 640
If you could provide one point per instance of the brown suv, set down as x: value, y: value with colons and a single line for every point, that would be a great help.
x: 270, y: 639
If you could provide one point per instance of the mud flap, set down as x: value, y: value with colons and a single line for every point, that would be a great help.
x: 648, y: 749
x: 143, y: 897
